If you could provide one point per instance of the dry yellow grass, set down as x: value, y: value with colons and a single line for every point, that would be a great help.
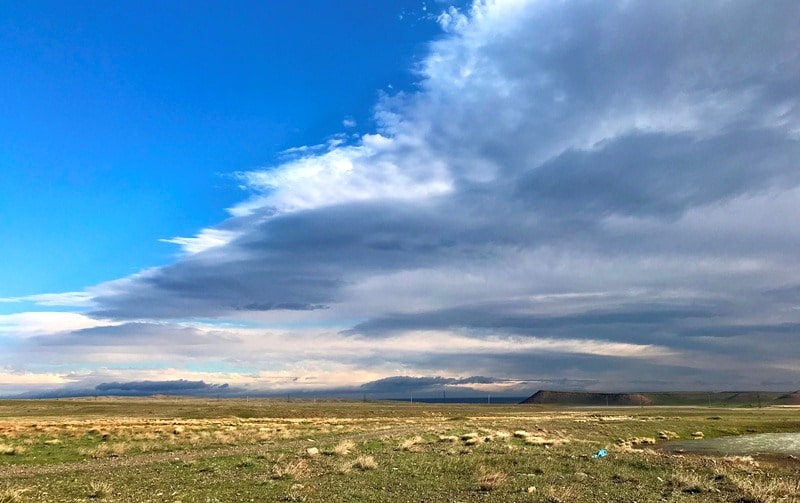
x: 344, y: 447
x: 295, y: 469
x: 12, y: 495
x: 99, y: 490
x: 411, y: 444
x: 545, y: 441
x: 692, y: 482
x: 365, y: 463
x: 11, y: 450
x: 489, y: 480
x: 561, y: 494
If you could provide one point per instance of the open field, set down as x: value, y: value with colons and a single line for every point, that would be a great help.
x: 193, y: 450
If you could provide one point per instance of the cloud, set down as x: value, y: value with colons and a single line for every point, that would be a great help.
x: 208, y: 238
x: 45, y: 323
x: 452, y: 20
x: 180, y: 386
x: 578, y: 192
x: 65, y: 299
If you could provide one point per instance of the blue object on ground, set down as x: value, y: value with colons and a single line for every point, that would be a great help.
x: 600, y: 454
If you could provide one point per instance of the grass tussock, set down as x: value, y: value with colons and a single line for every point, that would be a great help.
x: 99, y: 490
x: 12, y: 495
x: 561, y: 494
x: 490, y: 480
x: 764, y: 489
x: 295, y: 469
x: 114, y: 450
x: 412, y: 444
x: 691, y: 482
x: 12, y: 450
x: 545, y: 441
x: 344, y: 448
x: 365, y: 463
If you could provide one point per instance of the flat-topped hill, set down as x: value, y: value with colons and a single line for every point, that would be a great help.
x: 732, y: 398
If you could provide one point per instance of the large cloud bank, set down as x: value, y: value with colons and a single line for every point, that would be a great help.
x: 605, y: 192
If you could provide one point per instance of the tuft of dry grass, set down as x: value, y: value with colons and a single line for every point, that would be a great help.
x: 448, y: 438
x: 521, y: 434
x: 344, y: 467
x: 12, y: 450
x: 411, y: 444
x: 761, y: 488
x: 12, y: 495
x: 344, y: 448
x: 692, y: 483
x: 545, y: 441
x: 489, y: 480
x: 365, y: 463
x: 296, y: 469
x: 114, y: 450
x: 99, y: 490
x: 561, y: 494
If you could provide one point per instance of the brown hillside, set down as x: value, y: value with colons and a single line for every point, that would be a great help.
x: 584, y: 398
x: 789, y: 398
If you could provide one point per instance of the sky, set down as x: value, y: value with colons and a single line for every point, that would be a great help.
x: 399, y: 197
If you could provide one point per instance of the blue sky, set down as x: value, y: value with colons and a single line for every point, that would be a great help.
x: 289, y: 196
x: 123, y: 121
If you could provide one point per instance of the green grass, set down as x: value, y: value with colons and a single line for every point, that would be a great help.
x: 235, y: 451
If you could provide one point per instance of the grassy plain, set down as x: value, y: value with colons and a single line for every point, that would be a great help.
x: 208, y: 451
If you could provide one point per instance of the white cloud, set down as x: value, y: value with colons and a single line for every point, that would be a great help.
x: 452, y: 20
x: 65, y: 299
x: 45, y: 323
x: 380, y: 168
x: 205, y: 240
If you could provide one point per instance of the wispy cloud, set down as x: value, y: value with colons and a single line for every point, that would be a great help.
x: 206, y: 239
x: 65, y: 299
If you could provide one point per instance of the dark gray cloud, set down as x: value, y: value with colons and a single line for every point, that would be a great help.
x: 661, y: 175
x: 600, y: 171
x: 180, y: 387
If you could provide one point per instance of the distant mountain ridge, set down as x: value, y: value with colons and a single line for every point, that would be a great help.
x: 736, y: 398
